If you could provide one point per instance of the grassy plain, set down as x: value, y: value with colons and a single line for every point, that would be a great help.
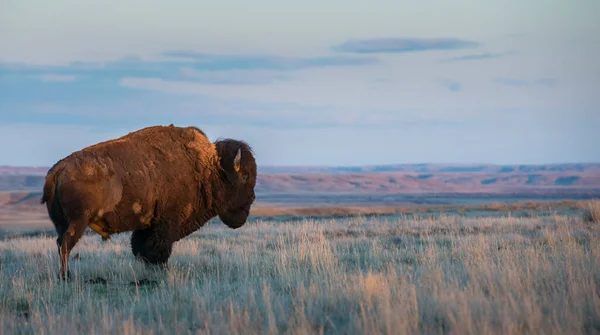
x: 392, y: 275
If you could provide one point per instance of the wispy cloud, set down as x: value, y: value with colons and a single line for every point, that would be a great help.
x: 188, y: 66
x: 138, y: 101
x: 479, y: 56
x: 548, y: 82
x: 57, y: 78
x: 267, y: 62
x: 451, y: 85
x: 402, y: 45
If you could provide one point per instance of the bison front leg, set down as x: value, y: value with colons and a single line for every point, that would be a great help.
x: 152, y: 246
x: 66, y: 242
x: 185, y: 229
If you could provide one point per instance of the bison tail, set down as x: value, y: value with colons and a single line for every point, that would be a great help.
x: 47, y: 194
x: 50, y: 186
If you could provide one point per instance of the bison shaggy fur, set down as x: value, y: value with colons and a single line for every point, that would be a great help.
x: 162, y: 182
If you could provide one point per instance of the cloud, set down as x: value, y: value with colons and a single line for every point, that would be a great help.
x: 139, y: 101
x: 57, y: 78
x: 402, y: 45
x: 280, y: 112
x: 267, y: 62
x: 480, y: 56
x: 547, y: 82
x: 451, y: 85
x: 208, y: 68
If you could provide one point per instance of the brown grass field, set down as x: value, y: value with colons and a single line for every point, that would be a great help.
x: 354, y: 275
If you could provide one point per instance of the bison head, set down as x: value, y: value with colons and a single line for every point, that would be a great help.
x: 239, y: 178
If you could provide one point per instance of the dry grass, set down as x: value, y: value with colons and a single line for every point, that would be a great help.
x: 592, y: 211
x: 266, y: 210
x: 449, y: 275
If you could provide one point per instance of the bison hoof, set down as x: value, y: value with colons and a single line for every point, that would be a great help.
x: 98, y: 280
x: 64, y: 276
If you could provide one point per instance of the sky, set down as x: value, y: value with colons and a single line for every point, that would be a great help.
x: 307, y: 82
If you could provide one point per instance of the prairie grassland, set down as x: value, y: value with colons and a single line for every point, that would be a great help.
x: 356, y: 275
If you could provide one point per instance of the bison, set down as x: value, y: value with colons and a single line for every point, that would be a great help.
x: 161, y: 182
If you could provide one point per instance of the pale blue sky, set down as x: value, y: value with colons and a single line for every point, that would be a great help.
x: 323, y: 83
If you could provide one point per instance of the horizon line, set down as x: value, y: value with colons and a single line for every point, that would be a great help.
x: 366, y: 165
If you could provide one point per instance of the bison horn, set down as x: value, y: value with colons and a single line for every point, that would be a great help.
x: 237, y: 160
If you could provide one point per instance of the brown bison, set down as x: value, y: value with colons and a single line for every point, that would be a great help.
x: 163, y: 183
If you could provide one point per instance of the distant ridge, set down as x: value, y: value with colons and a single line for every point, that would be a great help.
x: 568, y: 178
x: 376, y: 185
x: 426, y: 167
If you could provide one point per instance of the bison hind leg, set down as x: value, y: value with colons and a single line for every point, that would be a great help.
x: 151, y: 246
x: 66, y: 241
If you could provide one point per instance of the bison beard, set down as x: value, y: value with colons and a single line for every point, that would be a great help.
x: 162, y: 183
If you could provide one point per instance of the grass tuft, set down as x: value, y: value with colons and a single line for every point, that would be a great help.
x: 592, y: 211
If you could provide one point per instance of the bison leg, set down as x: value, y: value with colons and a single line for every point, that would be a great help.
x: 152, y: 246
x: 66, y: 242
x: 188, y: 229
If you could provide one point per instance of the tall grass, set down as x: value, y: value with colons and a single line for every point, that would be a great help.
x: 367, y: 276
x: 592, y: 211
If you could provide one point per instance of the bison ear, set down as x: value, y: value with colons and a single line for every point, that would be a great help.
x: 237, y: 160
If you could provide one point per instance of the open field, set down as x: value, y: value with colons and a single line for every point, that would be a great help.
x: 402, y: 274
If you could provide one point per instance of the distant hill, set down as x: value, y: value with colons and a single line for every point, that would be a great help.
x: 567, y: 167
x: 432, y: 182
x: 391, y: 179
x: 20, y: 198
